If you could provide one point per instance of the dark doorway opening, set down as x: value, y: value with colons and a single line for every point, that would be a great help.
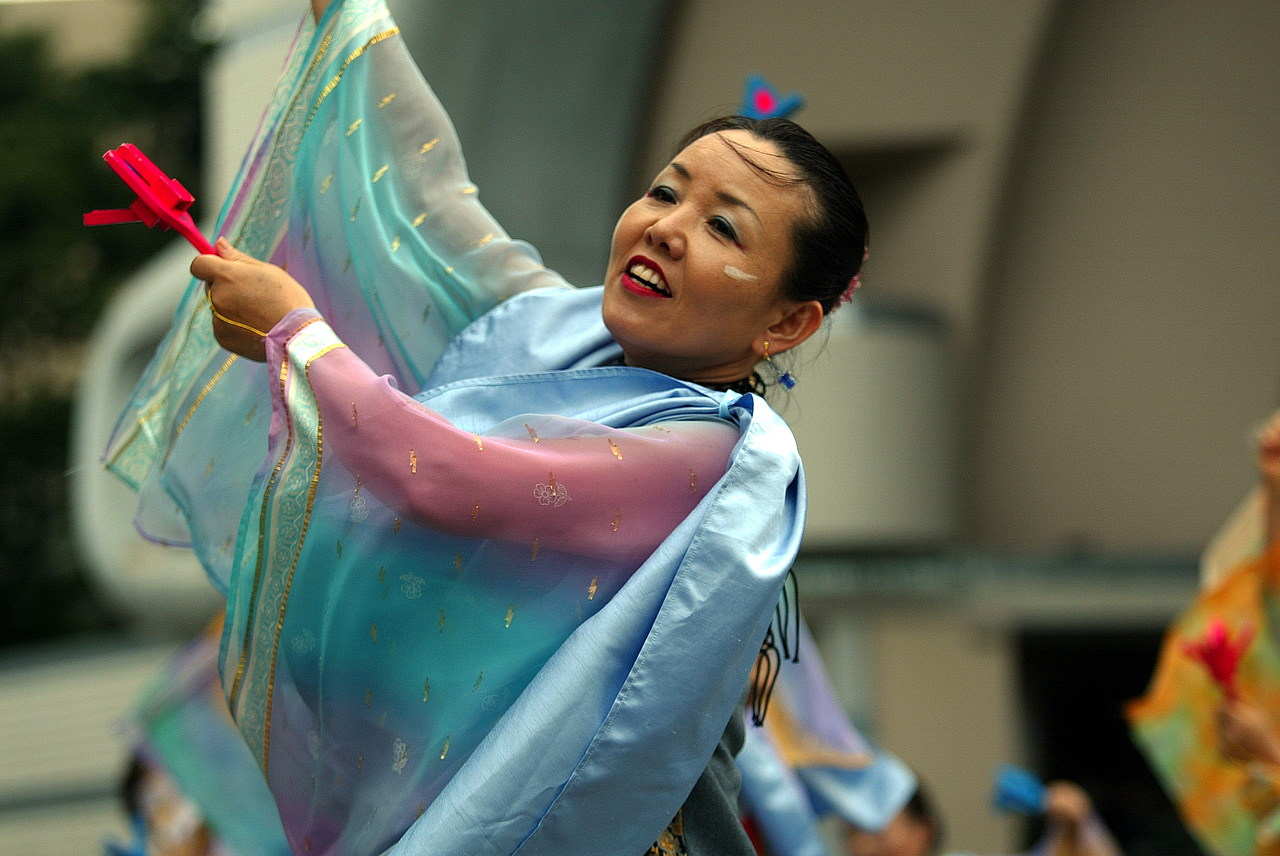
x: 1075, y: 684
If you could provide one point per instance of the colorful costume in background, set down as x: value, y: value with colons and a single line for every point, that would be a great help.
x: 1231, y: 808
x: 488, y: 591
x: 182, y: 727
x: 808, y: 761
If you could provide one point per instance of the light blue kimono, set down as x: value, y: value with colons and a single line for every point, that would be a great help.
x: 403, y: 690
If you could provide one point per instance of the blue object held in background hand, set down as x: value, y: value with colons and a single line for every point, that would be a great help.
x: 1018, y: 790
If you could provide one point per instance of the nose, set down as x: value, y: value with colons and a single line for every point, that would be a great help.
x: 668, y: 233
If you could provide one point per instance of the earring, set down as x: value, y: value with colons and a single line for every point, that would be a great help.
x: 779, y: 376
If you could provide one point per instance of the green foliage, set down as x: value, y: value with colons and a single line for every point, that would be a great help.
x: 56, y: 275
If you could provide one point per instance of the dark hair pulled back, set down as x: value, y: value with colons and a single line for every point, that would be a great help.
x: 829, y: 246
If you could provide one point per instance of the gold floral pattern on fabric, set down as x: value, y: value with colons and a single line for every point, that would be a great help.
x: 479, y: 442
x: 428, y: 146
x: 413, y: 461
x: 671, y: 841
x: 412, y: 585
x: 533, y: 554
x: 591, y: 589
x: 693, y: 482
x: 533, y: 435
x: 355, y: 209
x: 420, y: 219
x: 475, y: 511
x: 354, y: 126
x: 382, y: 170
x: 248, y: 417
x: 326, y: 184
x: 479, y: 680
x: 613, y: 447
x: 395, y: 527
x: 511, y: 614
x: 386, y: 100
x: 208, y: 470
x: 395, y: 244
x: 400, y: 752
x: 445, y: 750
x: 426, y: 690
x: 617, y: 518
x: 551, y: 492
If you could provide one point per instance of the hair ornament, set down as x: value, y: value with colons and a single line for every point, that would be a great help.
x: 854, y: 284
x: 761, y: 101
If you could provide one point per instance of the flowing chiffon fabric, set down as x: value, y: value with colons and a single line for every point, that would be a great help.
x: 412, y: 689
x: 808, y: 762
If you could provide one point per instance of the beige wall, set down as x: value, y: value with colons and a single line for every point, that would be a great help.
x: 1089, y: 193
x: 1131, y: 335
x: 85, y: 31
x: 932, y: 87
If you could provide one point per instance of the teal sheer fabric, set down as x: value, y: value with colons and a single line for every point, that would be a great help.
x: 406, y: 691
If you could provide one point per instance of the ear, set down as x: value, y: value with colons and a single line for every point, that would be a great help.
x: 800, y: 321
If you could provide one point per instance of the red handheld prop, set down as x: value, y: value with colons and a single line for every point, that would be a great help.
x: 161, y: 199
x: 1220, y: 654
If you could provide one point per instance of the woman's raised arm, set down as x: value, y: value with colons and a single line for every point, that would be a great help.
x: 562, y: 484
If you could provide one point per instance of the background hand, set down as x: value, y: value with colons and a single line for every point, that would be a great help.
x: 1246, y: 733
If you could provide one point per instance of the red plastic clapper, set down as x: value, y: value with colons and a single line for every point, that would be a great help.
x: 161, y: 199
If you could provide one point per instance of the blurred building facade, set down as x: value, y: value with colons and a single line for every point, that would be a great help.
x: 1062, y: 348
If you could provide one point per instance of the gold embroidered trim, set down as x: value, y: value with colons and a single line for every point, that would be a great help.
x: 217, y: 376
x: 352, y: 57
x: 302, y: 537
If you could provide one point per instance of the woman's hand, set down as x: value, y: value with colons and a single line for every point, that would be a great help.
x: 1246, y: 733
x: 248, y: 298
x: 1269, y: 453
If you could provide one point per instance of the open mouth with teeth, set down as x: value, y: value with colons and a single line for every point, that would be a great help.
x: 642, y: 278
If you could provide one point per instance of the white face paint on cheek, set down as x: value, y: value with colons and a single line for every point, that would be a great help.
x: 736, y: 273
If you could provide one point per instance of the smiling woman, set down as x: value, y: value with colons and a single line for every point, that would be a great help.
x: 472, y: 523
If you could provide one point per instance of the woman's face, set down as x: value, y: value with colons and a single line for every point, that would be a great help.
x: 693, y: 284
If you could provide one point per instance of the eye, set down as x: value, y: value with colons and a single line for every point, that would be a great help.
x: 724, y: 227
x: 662, y: 193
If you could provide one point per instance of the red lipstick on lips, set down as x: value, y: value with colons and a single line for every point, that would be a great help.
x: 639, y: 287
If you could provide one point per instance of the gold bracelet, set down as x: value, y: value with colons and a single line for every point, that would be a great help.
x: 224, y: 319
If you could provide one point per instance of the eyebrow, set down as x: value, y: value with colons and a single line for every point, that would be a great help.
x: 727, y: 198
